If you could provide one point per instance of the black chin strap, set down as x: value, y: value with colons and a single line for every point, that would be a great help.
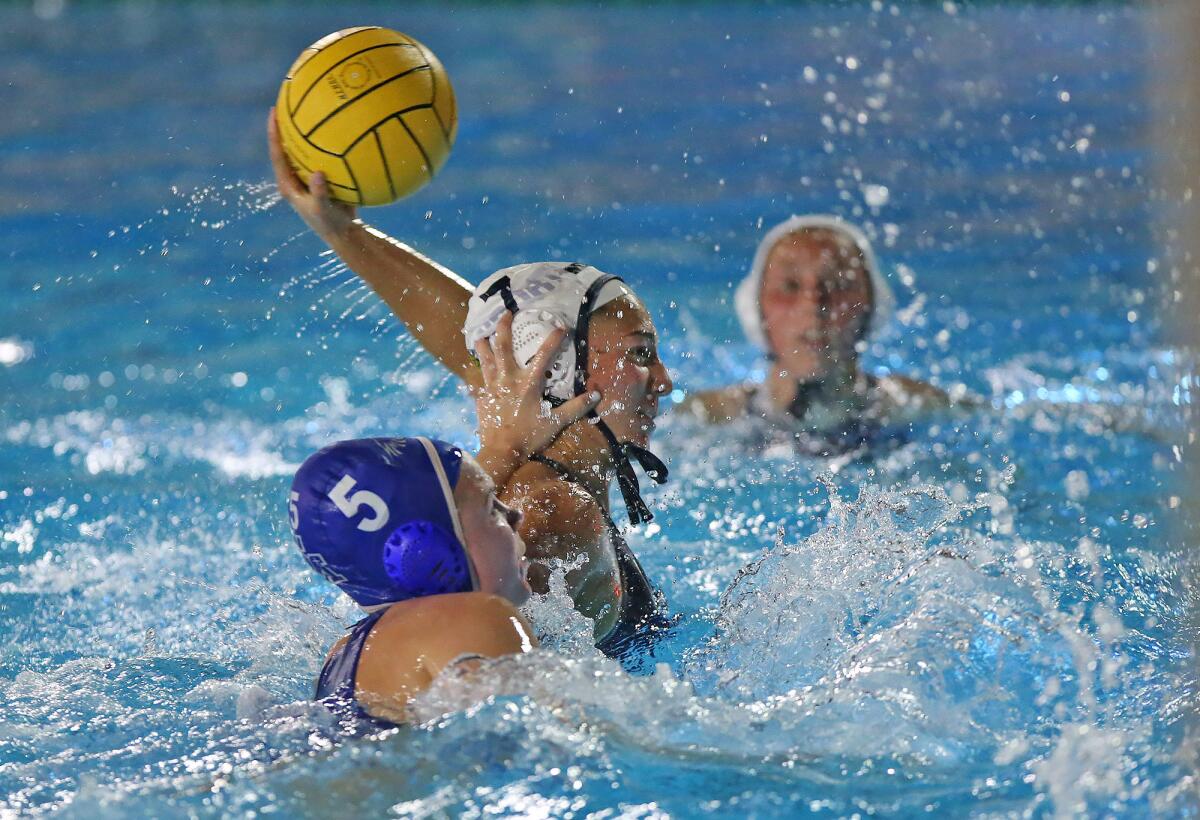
x: 627, y: 479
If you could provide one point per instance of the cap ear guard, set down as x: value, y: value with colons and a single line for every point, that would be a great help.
x: 530, y: 329
x: 541, y: 296
x: 423, y: 559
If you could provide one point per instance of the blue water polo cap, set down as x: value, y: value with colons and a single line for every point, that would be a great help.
x: 377, y: 517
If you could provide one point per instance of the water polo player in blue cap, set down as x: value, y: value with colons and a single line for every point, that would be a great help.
x: 564, y: 492
x: 412, y: 530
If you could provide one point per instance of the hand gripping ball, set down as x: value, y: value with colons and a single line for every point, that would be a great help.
x: 373, y: 109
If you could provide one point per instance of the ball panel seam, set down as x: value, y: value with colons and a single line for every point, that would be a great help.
x: 387, y: 171
x: 420, y: 147
x: 365, y: 94
x: 371, y: 128
x: 316, y: 81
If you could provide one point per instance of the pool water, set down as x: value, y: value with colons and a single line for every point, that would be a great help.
x: 984, y: 613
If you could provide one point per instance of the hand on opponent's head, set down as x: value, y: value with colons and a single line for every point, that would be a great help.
x: 515, y: 420
x: 328, y: 218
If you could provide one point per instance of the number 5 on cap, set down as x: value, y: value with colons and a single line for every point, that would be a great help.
x: 352, y: 505
x: 294, y: 510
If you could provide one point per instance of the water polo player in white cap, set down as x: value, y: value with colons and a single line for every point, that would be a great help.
x: 611, y: 351
x: 814, y: 298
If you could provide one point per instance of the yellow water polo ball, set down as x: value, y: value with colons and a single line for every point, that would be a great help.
x: 370, y: 107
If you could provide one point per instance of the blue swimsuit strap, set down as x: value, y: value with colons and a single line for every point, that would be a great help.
x: 339, y: 676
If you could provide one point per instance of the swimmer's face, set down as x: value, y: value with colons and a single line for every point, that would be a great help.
x: 623, y: 365
x: 816, y: 301
x: 490, y: 529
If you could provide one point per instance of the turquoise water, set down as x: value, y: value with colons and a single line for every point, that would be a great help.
x: 984, y: 614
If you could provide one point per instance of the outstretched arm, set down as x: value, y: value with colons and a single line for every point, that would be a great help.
x: 429, y: 299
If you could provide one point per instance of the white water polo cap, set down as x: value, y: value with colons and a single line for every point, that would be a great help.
x: 748, y: 297
x: 538, y: 293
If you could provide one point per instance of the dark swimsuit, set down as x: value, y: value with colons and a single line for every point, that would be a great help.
x: 339, y: 677
x: 850, y: 435
x: 335, y: 687
x: 642, y: 617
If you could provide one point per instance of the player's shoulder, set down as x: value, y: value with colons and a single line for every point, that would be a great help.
x: 905, y: 390
x: 410, y: 624
x: 482, y: 606
x: 550, y: 503
x: 721, y: 404
x: 415, y: 640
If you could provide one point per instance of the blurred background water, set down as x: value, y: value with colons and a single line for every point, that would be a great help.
x: 982, y: 615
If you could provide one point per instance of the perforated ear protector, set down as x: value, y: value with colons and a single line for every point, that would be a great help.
x: 541, y: 296
x: 530, y: 328
x: 423, y: 559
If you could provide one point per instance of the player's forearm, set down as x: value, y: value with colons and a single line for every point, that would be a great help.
x: 429, y: 299
x: 500, y: 460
